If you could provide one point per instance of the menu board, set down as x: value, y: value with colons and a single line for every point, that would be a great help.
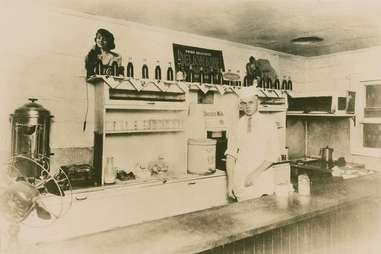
x: 193, y: 61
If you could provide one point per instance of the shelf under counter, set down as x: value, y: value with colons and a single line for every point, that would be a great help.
x: 152, y: 181
x: 175, y: 106
x: 142, y: 131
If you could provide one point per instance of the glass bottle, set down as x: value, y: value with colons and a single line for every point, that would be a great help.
x: 114, y: 69
x: 201, y: 75
x: 277, y: 83
x: 99, y: 68
x: 207, y: 75
x: 259, y: 82
x: 180, y: 74
x: 284, y: 83
x: 145, y: 70
x: 229, y: 82
x: 158, y: 71
x: 190, y: 73
x: 220, y: 79
x: 130, y: 68
x: 269, y: 83
x: 289, y: 84
x: 239, y: 80
x: 170, y: 72
x: 212, y: 76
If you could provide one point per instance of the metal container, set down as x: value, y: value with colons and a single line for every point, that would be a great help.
x: 201, y: 156
x: 30, y: 134
x: 304, y: 185
x: 326, y: 154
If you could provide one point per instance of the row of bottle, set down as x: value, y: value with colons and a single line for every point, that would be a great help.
x: 115, y: 70
x: 268, y: 83
x: 188, y: 74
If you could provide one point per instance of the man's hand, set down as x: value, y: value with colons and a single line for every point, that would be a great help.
x: 231, y: 193
x: 249, y: 181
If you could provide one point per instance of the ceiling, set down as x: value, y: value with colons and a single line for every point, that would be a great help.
x: 344, y: 24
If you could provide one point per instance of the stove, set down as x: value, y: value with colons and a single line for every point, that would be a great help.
x: 317, y: 170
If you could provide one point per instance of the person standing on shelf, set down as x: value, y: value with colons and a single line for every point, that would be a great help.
x: 101, y: 55
x: 253, y: 146
x: 251, y: 71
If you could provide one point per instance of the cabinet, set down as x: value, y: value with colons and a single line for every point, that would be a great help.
x: 136, y: 121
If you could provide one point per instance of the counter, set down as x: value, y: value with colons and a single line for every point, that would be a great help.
x: 220, y: 226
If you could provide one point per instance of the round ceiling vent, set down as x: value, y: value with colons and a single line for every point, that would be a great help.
x: 307, y: 40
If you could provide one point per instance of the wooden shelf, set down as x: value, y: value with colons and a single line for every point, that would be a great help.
x: 143, y: 131
x: 320, y: 114
x: 370, y: 120
x: 272, y: 109
x: 146, y: 106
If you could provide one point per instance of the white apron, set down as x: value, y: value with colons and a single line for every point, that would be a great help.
x: 252, y: 149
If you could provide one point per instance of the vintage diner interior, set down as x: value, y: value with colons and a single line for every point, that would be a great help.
x: 190, y: 126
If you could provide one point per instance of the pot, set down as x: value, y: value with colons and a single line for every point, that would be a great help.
x: 326, y: 154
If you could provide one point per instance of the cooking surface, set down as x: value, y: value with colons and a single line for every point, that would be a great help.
x: 313, y: 164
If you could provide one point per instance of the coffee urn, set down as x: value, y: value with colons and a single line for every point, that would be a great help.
x: 30, y: 137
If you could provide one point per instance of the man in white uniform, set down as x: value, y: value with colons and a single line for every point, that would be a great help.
x: 253, y: 146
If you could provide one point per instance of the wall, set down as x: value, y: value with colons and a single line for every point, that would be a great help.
x: 44, y: 58
x: 337, y: 73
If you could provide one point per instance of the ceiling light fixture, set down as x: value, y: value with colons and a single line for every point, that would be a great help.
x: 307, y: 40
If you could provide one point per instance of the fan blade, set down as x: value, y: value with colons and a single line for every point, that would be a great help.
x: 53, y: 188
x: 42, y: 212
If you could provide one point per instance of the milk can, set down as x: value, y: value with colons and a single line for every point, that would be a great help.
x: 304, y: 185
x: 30, y: 136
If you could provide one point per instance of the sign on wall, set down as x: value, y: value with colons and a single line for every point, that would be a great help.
x: 193, y: 60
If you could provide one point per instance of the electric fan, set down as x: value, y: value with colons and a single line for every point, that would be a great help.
x: 33, y: 194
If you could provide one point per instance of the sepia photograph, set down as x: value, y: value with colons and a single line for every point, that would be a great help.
x: 190, y: 127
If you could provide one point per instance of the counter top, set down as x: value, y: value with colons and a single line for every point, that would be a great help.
x: 202, y: 230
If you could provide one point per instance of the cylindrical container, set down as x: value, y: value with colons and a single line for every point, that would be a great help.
x: 284, y: 84
x: 170, y: 73
x: 109, y: 171
x: 304, y: 185
x: 201, y: 156
x: 158, y: 71
x: 277, y: 84
x: 30, y: 136
x: 130, y: 69
x: 115, y: 69
x: 289, y: 85
x: 145, y: 70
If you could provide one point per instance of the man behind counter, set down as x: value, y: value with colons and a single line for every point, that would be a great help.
x: 253, y: 146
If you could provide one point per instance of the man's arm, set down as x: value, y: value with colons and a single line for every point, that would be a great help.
x: 230, y: 165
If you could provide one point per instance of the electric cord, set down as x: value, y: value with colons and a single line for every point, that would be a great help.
x: 87, y: 107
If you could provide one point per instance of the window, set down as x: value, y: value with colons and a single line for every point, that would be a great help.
x: 366, y: 135
x: 372, y: 135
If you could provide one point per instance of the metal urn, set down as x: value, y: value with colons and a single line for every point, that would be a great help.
x: 30, y: 136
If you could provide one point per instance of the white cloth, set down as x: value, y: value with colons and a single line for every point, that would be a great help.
x: 251, y: 149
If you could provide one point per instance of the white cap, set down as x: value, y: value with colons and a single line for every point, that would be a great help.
x: 247, y: 92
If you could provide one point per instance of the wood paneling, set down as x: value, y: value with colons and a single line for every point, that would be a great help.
x: 351, y: 229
